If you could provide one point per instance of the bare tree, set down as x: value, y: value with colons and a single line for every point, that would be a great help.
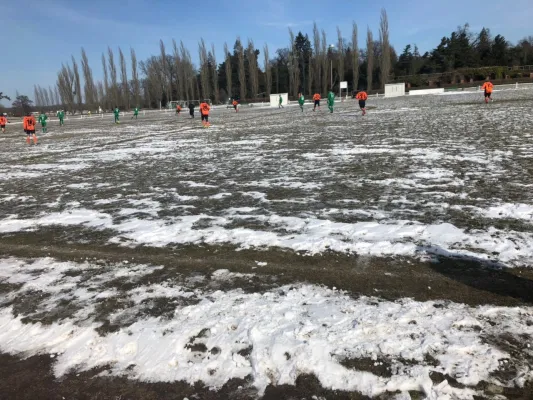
x: 324, y: 62
x: 188, y: 72
x: 242, y: 71
x: 318, y: 58
x: 135, y: 78
x: 214, y: 74
x: 385, y: 48
x: 340, y: 53
x: 124, y: 79
x: 57, y: 99
x: 37, y: 97
x: 369, y: 58
x: 77, y: 84
x: 294, y: 66
x: 65, y: 84
x: 114, y: 81
x: 355, y: 56
x: 105, y: 100
x: 89, y: 88
x: 165, y: 68
x: 100, y: 92
x: 268, y: 71
x: 204, y: 70
x: 311, y: 75
x: 51, y: 97
x: 44, y: 94
x: 180, y: 78
x: 227, y: 58
x: 252, y: 69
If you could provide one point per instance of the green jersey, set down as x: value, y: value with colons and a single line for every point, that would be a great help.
x: 280, y: 100
x: 301, y: 100
x: 116, y: 111
x: 331, y: 98
x: 136, y: 111
x: 43, y: 118
x: 60, y: 114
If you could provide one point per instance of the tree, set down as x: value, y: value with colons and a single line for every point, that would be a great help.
x: 77, y: 85
x: 135, y: 78
x: 369, y: 58
x: 65, y: 83
x: 114, y: 81
x: 228, y: 70
x: 22, y: 105
x: 385, y: 48
x: 106, y: 84
x: 239, y: 49
x: 340, y: 55
x: 3, y: 96
x: 355, y: 56
x: 165, y: 80
x: 124, y: 79
x: 89, y: 88
x: 214, y: 73
x: 324, y: 62
x: 318, y: 58
x: 204, y: 70
x: 294, y: 67
x: 251, y: 55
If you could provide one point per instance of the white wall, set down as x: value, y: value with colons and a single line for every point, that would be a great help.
x: 274, y: 99
x: 426, y: 91
x: 395, y: 90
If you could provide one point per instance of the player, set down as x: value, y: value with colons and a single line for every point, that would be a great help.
x: 362, y: 96
x: 487, y: 87
x: 178, y: 109
x: 116, y: 111
x: 235, y: 105
x: 331, y: 100
x: 61, y: 117
x: 280, y: 102
x: 301, y: 101
x: 42, y: 120
x: 191, y: 109
x: 316, y: 99
x: 3, y: 122
x: 135, y: 113
x: 29, y: 127
x: 204, y: 111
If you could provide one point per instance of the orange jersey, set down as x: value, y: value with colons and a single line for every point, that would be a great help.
x: 487, y: 87
x: 361, y: 96
x: 178, y: 108
x: 204, y: 109
x: 29, y: 123
x: 235, y: 102
x: 3, y: 120
x: 316, y: 97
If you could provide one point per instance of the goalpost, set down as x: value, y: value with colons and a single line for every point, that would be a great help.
x: 274, y: 99
x: 171, y: 105
x: 395, y: 90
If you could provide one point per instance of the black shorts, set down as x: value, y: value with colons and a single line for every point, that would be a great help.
x: 205, y: 118
x: 317, y: 103
x: 362, y: 103
x: 487, y: 94
x: 29, y: 131
x: 2, y: 126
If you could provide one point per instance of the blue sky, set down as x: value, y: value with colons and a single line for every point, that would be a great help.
x: 39, y: 35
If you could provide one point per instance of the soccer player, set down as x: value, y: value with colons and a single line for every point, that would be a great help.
x: 61, y: 116
x: 191, y: 109
x: 362, y: 96
x: 331, y: 100
x: 116, y: 111
x: 135, y: 113
x: 316, y: 98
x: 42, y: 120
x: 235, y: 105
x: 178, y: 109
x: 280, y: 102
x: 3, y: 122
x: 301, y: 101
x: 29, y: 127
x: 487, y: 87
x: 204, y: 110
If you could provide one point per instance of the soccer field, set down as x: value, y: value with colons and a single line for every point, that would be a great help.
x: 277, y: 253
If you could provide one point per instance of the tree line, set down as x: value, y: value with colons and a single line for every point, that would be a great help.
x: 307, y: 65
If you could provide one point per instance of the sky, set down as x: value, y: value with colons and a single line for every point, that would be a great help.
x: 53, y: 30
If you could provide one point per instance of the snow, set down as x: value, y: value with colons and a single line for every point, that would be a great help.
x: 318, y: 327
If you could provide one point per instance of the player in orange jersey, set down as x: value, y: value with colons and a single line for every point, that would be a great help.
x: 488, y: 88
x: 316, y: 98
x: 3, y: 122
x: 362, y: 96
x: 29, y: 127
x: 204, y: 111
